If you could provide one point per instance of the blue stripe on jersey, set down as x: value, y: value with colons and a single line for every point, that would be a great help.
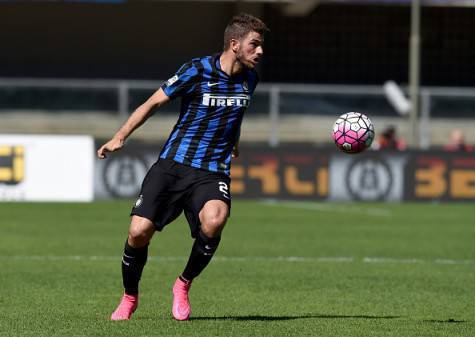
x: 185, y: 143
x: 205, y: 140
x: 169, y: 144
x: 220, y: 150
x: 213, y: 166
x: 214, y: 162
x: 181, y: 83
x: 194, y: 126
x: 207, y: 65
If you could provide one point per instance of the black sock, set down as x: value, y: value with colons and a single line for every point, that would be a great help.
x: 201, y: 253
x: 133, y: 261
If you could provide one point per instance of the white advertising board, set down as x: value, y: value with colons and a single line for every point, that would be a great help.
x: 46, y: 168
x: 367, y: 177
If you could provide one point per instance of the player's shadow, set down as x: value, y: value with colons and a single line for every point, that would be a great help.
x: 450, y: 320
x: 286, y: 318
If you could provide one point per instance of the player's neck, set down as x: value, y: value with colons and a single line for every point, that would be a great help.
x: 229, y: 63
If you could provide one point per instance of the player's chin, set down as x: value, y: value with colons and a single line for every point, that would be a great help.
x: 251, y: 64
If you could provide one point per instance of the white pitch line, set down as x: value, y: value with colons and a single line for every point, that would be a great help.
x: 289, y: 259
x: 393, y: 260
x: 323, y: 207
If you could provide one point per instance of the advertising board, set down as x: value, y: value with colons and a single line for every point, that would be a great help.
x: 46, y: 168
x: 307, y: 172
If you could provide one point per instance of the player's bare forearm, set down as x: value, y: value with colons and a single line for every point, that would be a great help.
x: 136, y: 119
x: 141, y: 114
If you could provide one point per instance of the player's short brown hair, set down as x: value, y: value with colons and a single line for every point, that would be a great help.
x: 241, y: 25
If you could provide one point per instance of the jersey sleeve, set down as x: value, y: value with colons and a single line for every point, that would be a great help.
x: 183, y: 82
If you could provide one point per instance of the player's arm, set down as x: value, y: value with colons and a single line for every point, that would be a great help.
x: 136, y: 119
x: 235, y: 151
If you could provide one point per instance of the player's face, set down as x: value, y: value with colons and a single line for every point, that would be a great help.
x: 250, y: 50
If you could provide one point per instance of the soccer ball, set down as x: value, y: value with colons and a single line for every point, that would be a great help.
x: 353, y: 132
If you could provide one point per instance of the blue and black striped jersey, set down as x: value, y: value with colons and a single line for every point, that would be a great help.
x: 212, y: 108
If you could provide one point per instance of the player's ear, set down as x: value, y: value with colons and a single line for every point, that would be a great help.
x: 234, y: 44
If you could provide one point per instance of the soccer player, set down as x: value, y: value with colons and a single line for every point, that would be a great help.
x: 192, y: 172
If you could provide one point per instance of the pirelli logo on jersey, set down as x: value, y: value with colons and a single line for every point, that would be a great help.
x: 222, y: 100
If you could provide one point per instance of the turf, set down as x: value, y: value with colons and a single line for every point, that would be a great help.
x: 283, y: 269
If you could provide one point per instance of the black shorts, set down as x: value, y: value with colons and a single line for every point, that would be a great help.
x: 170, y: 188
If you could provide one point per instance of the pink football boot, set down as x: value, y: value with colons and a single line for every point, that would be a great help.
x: 126, y: 308
x: 181, y: 304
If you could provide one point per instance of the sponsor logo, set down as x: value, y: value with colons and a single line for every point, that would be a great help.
x: 139, y: 201
x: 222, y: 100
x: 172, y: 80
x: 212, y: 84
x: 245, y: 86
x: 369, y: 179
x: 12, y: 164
x: 123, y: 175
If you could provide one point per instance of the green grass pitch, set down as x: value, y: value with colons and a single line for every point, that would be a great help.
x: 283, y: 269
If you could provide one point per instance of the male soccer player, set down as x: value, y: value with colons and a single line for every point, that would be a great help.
x: 192, y: 172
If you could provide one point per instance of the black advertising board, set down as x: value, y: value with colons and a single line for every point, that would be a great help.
x: 307, y: 172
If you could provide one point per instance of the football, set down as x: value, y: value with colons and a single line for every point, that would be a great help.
x: 353, y: 132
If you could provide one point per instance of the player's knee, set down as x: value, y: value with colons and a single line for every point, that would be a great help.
x: 213, y: 224
x: 213, y: 217
x: 138, y: 236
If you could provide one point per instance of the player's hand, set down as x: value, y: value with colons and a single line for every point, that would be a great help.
x: 112, y: 145
x: 235, y: 152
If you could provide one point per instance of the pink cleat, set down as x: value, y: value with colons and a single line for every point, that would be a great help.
x: 181, y: 309
x: 126, y: 308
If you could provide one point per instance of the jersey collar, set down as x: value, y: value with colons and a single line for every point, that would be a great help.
x: 217, y: 66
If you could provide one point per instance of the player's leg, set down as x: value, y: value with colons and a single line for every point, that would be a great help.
x: 134, y: 258
x: 157, y: 206
x: 213, y: 217
x: 207, y: 214
x: 135, y: 255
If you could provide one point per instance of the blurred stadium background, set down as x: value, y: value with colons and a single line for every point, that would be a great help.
x: 81, y: 67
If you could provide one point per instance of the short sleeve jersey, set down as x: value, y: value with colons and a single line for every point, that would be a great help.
x: 212, y: 107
